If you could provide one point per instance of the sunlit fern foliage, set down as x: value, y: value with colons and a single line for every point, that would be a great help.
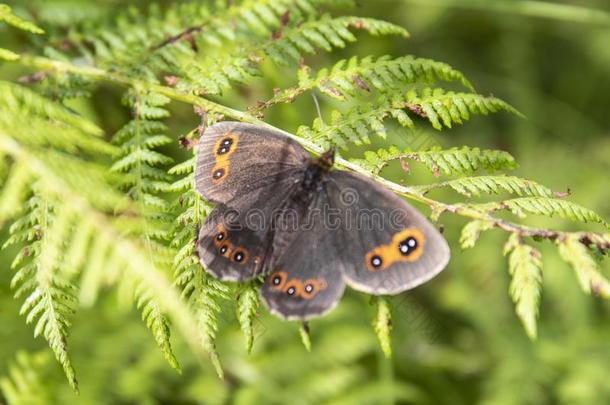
x: 89, y: 214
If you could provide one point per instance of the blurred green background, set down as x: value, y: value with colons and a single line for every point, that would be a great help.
x: 456, y: 340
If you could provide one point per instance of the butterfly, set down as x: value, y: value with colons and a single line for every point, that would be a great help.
x: 306, y: 229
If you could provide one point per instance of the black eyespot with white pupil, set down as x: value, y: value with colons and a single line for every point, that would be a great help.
x: 238, y: 257
x: 291, y: 291
x: 225, y: 146
x: 308, y: 288
x: 376, y: 261
x: 276, y: 280
x: 223, y: 249
x: 218, y: 173
x: 220, y: 236
x: 407, y: 246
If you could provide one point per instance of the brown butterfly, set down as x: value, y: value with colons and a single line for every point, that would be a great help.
x: 307, y: 229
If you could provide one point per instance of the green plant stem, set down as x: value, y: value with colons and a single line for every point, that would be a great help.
x: 41, y: 63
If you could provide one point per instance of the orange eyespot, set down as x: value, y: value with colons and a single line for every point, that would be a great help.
x: 225, y: 145
x: 223, y: 148
x: 220, y: 236
x: 220, y: 172
x: 293, y: 288
x: 278, y: 280
x: 240, y: 255
x: 225, y: 249
x: 311, y: 287
x: 406, y: 246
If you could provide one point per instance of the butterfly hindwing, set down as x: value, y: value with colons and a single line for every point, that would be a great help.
x: 304, y: 279
x: 386, y: 245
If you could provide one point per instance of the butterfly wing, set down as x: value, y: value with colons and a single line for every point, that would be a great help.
x: 387, y: 246
x: 235, y: 159
x: 304, y: 279
x: 249, y: 171
x: 236, y: 238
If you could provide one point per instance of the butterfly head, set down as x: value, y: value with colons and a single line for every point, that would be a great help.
x: 326, y: 160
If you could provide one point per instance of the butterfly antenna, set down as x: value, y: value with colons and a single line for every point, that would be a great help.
x: 315, y: 101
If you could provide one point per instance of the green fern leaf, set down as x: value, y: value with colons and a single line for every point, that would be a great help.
x: 7, y: 55
x: 471, y: 232
x: 25, y: 383
x: 587, y: 271
x: 247, y: 306
x: 348, y: 78
x: 462, y: 160
x: 552, y: 207
x: 6, y: 15
x: 305, y: 336
x: 474, y: 186
x: 50, y: 298
x: 382, y: 323
x: 525, y: 267
x: 444, y: 108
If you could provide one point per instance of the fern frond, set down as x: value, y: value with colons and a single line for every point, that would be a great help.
x: 471, y: 232
x: 382, y: 324
x: 21, y: 100
x: 202, y: 292
x: 445, y: 108
x: 59, y: 178
x: 157, y: 322
x: 7, y: 16
x: 348, y: 78
x: 216, y: 74
x: 8, y: 55
x: 14, y: 190
x: 462, y: 160
x: 50, y: 299
x: 587, y: 271
x: 145, y: 179
x: 357, y: 125
x: 247, y: 307
x: 139, y: 160
x: 305, y: 336
x: 24, y: 383
x: 525, y: 267
x: 474, y: 186
x: 325, y: 33
x: 552, y: 207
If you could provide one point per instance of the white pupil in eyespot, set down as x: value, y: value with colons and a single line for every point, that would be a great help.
x: 309, y: 288
x: 276, y: 280
x: 407, y: 246
x: 290, y: 291
x: 376, y: 261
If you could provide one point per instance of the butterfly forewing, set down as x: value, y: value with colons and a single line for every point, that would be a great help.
x: 235, y: 158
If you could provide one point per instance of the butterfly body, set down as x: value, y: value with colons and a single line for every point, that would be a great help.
x: 306, y: 228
